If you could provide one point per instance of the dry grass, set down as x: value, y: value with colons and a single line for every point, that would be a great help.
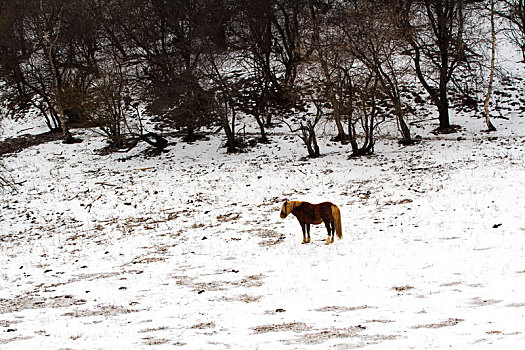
x: 29, y: 302
x: 203, y: 326
x: 155, y: 341
x: 102, y: 310
x: 149, y: 330
x: 402, y: 288
x: 297, y: 327
x: 319, y: 336
x: 342, y: 308
x: 245, y: 298
x: 446, y: 323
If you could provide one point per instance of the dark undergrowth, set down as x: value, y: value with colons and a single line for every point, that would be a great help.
x: 18, y: 144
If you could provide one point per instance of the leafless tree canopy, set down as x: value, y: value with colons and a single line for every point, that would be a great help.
x: 201, y: 64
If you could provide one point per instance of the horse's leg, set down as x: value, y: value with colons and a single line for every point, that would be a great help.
x: 308, y: 232
x: 327, y: 224
x: 303, y: 227
x: 333, y: 231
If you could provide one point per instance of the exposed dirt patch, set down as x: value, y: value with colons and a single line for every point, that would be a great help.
x: 228, y: 217
x: 10, y: 340
x: 379, y: 321
x: 155, y: 341
x: 8, y: 323
x: 400, y: 289
x: 323, y: 335
x: 342, y: 308
x: 297, y: 327
x: 149, y: 330
x: 103, y: 310
x: 446, y: 323
x: 271, y: 237
x: 248, y: 281
x: 25, y: 303
x: 203, y: 325
x: 484, y: 302
x: 245, y: 298
x: 450, y: 284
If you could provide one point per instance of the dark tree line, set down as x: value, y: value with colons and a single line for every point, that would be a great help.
x: 192, y: 64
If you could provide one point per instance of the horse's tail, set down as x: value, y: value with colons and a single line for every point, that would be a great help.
x: 336, y: 214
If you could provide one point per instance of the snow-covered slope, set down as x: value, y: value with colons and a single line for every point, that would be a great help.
x: 187, y: 249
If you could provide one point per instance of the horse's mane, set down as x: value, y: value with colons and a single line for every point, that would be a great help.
x: 289, y: 206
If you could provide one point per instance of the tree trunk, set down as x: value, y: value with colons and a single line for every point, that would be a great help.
x: 490, y: 126
x: 406, y: 138
x: 316, y: 39
x: 444, y: 46
x: 262, y: 129
x: 444, y: 122
x: 310, y: 140
x: 48, y: 47
x: 230, y: 134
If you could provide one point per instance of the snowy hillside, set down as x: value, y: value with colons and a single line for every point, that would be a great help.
x: 187, y: 249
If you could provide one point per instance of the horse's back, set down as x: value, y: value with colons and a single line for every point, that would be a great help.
x: 316, y: 213
x: 325, y: 210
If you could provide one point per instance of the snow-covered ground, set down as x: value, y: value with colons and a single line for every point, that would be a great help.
x: 187, y: 249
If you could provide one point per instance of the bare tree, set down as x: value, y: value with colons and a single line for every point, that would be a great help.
x: 50, y: 33
x: 371, y: 33
x: 165, y: 43
x: 441, y: 35
x: 226, y: 96
x: 305, y: 126
x: 48, y: 58
x: 365, y: 115
x: 6, y: 180
x: 323, y: 41
x: 490, y: 126
x: 268, y: 35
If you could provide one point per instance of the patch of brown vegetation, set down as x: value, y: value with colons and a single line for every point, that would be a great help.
x: 155, y: 341
x: 29, y: 302
x: 228, y: 217
x: 203, y: 325
x: 103, y: 310
x: 147, y: 260
x: 297, y: 327
x: 319, y: 336
x: 332, y: 333
x: 245, y: 298
x: 484, y: 302
x: 10, y: 340
x: 248, y: 281
x: 450, y: 284
x: 342, y: 308
x: 402, y: 288
x: 261, y: 233
x: 379, y: 321
x: 446, y: 323
x: 148, y: 330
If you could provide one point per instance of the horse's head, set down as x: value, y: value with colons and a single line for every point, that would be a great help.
x: 286, y: 209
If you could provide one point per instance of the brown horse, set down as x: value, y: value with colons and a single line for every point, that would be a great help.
x: 316, y: 214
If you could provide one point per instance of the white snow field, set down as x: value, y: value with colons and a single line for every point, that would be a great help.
x: 187, y: 250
